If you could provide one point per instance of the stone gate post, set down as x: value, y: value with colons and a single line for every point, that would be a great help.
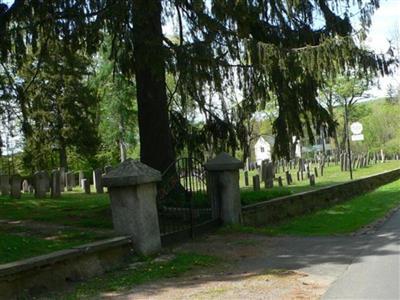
x: 223, y: 187
x: 133, y: 189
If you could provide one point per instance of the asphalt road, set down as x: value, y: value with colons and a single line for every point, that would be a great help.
x: 375, y: 273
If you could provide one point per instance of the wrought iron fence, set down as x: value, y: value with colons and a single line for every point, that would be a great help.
x: 182, y: 197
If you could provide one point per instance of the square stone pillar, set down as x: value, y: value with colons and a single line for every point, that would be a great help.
x: 16, y: 186
x: 133, y: 189
x: 224, y: 173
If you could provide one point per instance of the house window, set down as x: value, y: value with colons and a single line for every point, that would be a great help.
x: 262, y: 149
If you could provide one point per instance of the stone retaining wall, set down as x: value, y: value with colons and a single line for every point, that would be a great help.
x: 278, y: 209
x: 27, y: 278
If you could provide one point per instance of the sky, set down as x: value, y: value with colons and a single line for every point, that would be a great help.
x: 384, y: 22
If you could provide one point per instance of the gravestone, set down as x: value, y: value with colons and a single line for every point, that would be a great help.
x: 25, y: 186
x: 16, y: 186
x: 312, y: 180
x: 316, y: 171
x: 269, y: 175
x: 288, y: 178
x: 298, y: 175
x: 86, y: 185
x: 41, y: 184
x: 280, y: 181
x: 55, y: 190
x: 246, y: 178
x: 80, y: 177
x: 97, y: 181
x: 321, y: 170
x: 256, y: 183
x: 5, y: 185
x: 69, y: 181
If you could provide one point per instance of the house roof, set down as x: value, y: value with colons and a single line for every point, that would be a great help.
x: 269, y: 139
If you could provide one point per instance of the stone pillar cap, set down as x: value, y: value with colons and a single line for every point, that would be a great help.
x: 130, y: 173
x: 223, y: 162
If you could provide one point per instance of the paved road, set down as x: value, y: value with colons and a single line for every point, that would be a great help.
x: 375, y: 274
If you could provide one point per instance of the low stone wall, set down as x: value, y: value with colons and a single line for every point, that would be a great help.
x: 37, y: 275
x: 273, y: 211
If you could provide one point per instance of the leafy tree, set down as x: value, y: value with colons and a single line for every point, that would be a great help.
x: 256, y: 47
x: 58, y: 108
x: 118, y: 112
x: 345, y: 92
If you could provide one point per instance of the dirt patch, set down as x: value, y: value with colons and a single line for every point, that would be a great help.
x: 241, y: 274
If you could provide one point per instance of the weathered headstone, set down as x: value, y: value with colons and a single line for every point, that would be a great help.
x: 16, y: 186
x: 5, y: 185
x: 80, y: 177
x: 288, y: 178
x: 69, y: 180
x: 312, y: 180
x: 321, y: 168
x: 269, y: 175
x: 280, y: 183
x: 86, y: 185
x: 316, y: 171
x: 55, y: 190
x: 256, y: 183
x: 97, y: 181
x: 246, y: 178
x: 298, y: 175
x: 41, y: 183
x: 25, y: 186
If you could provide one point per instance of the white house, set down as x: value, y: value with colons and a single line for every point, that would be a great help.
x: 263, y: 148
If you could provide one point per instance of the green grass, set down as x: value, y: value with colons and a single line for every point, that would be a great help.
x: 332, y: 175
x: 339, y: 219
x: 15, y: 247
x: 122, y: 280
x: 73, y: 209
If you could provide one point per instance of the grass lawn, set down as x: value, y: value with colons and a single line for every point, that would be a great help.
x: 88, y: 217
x: 332, y: 175
x: 339, y: 219
x: 74, y: 209
x: 15, y: 247
x: 124, y: 279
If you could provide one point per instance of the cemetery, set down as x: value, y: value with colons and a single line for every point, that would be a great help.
x: 199, y: 149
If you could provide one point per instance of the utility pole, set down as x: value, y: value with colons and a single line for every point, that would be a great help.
x: 346, y: 115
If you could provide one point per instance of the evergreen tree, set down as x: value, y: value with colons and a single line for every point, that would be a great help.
x: 59, y: 110
x: 256, y: 47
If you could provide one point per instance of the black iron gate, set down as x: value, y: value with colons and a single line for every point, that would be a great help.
x: 183, y: 206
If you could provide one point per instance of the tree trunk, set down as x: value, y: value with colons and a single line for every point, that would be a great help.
x: 63, y: 156
x: 156, y: 148
x: 122, y: 150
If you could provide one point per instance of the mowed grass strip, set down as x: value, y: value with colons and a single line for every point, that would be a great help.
x: 339, y: 219
x: 74, y: 209
x: 332, y: 175
x: 124, y: 279
x: 16, y: 247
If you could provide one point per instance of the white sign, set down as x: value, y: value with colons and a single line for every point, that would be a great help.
x: 356, y: 128
x: 357, y: 137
